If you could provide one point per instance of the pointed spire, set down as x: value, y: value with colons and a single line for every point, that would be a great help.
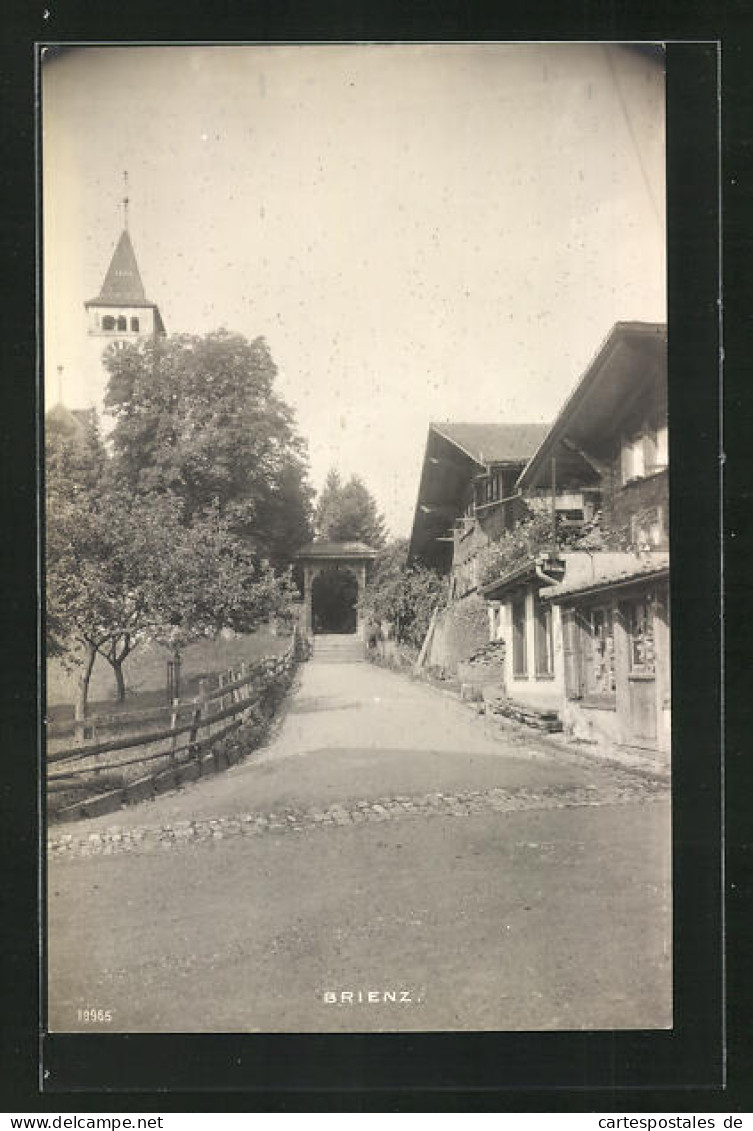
x: 123, y: 282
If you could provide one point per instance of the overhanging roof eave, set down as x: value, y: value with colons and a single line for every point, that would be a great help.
x: 620, y: 334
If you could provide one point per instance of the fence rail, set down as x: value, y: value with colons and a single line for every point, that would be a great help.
x: 116, y: 719
x: 208, y: 710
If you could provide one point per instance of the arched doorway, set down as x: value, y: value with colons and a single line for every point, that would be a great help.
x: 337, y: 603
x: 334, y: 600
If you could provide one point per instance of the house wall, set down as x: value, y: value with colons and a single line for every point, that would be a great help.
x: 538, y: 691
x: 640, y: 496
x: 603, y: 724
x: 637, y: 477
x: 480, y: 527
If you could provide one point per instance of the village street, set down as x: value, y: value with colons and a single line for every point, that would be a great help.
x: 384, y: 840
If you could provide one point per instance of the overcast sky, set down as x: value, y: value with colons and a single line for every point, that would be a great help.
x: 420, y: 232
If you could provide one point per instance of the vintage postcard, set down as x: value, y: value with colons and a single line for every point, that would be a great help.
x: 358, y: 632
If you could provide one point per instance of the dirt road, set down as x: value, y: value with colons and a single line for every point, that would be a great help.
x: 385, y: 863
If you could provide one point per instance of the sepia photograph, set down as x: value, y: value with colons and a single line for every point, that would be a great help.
x: 357, y: 680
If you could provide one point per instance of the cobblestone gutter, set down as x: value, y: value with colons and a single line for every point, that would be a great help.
x: 286, y: 821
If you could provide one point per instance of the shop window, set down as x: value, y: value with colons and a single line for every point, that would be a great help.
x: 639, y: 625
x: 597, y: 639
x: 543, y: 640
x: 135, y: 325
x: 519, y: 652
x: 108, y: 322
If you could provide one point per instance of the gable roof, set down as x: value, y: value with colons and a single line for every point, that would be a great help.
x: 493, y: 443
x: 323, y: 549
x: 122, y: 284
x: 456, y: 452
x: 74, y: 421
x: 631, y: 360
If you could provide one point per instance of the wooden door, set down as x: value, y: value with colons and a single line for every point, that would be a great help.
x: 637, y: 697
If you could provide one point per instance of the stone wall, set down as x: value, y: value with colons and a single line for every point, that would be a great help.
x: 460, y: 629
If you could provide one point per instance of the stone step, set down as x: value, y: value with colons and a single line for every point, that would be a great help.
x: 333, y: 648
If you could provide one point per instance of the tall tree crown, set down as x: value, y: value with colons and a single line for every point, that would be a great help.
x: 199, y: 417
x: 347, y: 512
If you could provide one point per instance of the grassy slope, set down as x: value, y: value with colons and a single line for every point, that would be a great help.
x: 146, y: 673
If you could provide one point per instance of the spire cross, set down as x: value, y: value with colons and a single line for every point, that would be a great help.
x: 125, y: 199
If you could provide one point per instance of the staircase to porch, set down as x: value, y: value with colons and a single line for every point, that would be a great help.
x: 337, y: 648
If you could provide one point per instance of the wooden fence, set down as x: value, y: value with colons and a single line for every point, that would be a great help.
x: 211, y: 716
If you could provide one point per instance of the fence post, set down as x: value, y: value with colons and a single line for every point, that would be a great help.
x: 173, y: 725
x: 195, y: 724
x: 203, y: 701
x: 173, y: 679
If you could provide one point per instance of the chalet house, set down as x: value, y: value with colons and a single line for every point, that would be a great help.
x: 467, y: 494
x: 585, y: 613
x: 466, y: 497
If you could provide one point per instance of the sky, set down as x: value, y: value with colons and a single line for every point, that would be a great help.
x: 420, y: 232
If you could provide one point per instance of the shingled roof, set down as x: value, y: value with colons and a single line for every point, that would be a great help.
x: 122, y: 285
x: 590, y: 573
x: 494, y: 443
x: 323, y: 549
x: 456, y: 451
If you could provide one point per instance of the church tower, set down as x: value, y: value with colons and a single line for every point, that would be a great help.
x: 121, y: 312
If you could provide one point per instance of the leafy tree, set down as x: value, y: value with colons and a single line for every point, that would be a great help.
x: 75, y: 460
x: 124, y: 567
x: 402, y: 595
x: 216, y: 581
x: 198, y: 417
x: 107, y: 558
x: 347, y: 512
x: 75, y: 456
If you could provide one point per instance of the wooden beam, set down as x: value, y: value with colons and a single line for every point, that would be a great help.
x: 437, y: 508
x: 600, y: 468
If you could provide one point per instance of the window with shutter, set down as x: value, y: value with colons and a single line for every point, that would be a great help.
x: 544, y: 648
x: 571, y: 654
x: 519, y: 657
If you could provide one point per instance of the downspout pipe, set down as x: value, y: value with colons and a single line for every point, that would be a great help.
x: 543, y: 576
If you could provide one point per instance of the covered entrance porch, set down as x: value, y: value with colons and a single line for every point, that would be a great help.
x: 334, y: 579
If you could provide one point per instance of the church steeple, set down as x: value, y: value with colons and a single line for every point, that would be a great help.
x: 121, y: 308
x: 121, y: 314
x: 122, y: 283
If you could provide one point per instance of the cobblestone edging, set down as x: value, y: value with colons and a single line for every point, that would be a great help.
x: 287, y: 820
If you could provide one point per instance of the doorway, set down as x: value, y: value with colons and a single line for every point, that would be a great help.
x: 639, y: 719
x: 334, y: 600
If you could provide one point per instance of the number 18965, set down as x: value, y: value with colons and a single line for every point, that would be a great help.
x: 89, y: 1016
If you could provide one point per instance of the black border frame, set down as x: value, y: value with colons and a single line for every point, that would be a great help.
x: 412, y: 1065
